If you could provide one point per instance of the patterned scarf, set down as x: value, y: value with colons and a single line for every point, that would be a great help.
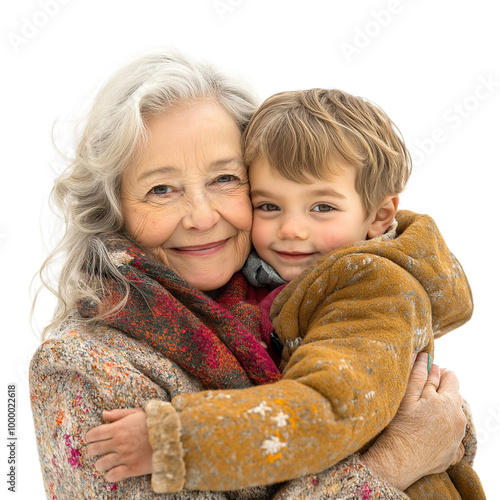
x: 216, y: 341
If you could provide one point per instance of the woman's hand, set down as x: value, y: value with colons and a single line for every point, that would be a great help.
x: 425, y: 435
x: 123, y: 443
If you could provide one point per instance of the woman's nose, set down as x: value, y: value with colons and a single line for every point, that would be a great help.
x: 201, y: 214
x: 293, y: 228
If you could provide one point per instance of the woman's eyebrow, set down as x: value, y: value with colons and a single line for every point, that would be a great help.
x: 224, y: 162
x: 157, y: 171
x: 215, y: 165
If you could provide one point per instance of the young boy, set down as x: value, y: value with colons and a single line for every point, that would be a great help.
x: 326, y: 169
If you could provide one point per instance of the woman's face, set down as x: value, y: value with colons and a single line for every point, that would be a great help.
x: 186, y: 198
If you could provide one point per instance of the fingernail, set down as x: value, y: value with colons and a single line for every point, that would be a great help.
x: 429, y: 363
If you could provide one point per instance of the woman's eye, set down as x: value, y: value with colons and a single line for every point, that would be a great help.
x: 162, y: 189
x: 268, y: 207
x: 323, y: 207
x: 226, y: 178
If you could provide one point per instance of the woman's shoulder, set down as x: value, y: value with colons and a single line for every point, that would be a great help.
x: 75, y: 344
x: 104, y: 354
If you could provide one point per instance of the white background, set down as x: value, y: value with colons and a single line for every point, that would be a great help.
x: 424, y: 62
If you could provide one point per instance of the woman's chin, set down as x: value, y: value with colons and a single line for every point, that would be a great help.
x: 211, y: 271
x: 210, y: 282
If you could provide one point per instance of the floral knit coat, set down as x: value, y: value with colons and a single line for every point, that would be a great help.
x: 349, y: 329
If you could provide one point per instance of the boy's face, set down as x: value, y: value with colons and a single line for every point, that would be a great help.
x: 295, y: 224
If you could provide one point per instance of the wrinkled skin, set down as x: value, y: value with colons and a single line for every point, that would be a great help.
x: 425, y: 436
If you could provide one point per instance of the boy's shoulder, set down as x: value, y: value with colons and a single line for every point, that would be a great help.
x: 411, y: 239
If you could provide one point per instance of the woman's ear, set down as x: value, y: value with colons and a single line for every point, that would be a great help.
x: 383, y: 217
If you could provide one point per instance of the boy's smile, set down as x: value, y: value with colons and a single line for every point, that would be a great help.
x: 289, y: 260
x: 294, y: 224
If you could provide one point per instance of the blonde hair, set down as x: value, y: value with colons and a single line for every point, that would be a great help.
x: 301, y: 133
x: 88, y: 192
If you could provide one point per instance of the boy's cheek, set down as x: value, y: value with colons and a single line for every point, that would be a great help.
x: 261, y: 233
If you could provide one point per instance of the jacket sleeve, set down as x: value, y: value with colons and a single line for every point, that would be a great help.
x: 71, y: 382
x: 348, y: 478
x: 349, y: 337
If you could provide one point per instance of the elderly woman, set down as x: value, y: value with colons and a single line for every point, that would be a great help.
x: 158, y: 224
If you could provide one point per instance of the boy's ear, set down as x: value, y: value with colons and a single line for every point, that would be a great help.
x: 383, y: 216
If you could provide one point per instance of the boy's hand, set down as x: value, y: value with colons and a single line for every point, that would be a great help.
x: 123, y: 443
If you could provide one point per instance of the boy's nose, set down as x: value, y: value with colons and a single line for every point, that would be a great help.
x: 293, y: 228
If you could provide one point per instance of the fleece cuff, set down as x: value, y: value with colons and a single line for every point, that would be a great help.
x: 164, y: 429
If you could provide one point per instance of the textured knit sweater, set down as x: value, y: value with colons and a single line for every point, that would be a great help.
x: 349, y: 329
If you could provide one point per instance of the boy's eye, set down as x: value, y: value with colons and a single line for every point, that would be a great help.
x: 161, y: 189
x: 268, y: 207
x: 323, y: 207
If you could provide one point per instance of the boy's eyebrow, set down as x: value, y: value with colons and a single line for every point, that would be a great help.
x: 317, y: 192
x: 261, y: 192
x: 329, y: 192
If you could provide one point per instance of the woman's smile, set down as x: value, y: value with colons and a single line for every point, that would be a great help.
x: 200, y: 250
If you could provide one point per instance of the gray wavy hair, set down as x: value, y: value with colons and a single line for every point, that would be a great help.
x: 87, y: 193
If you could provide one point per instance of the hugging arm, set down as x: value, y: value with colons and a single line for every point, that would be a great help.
x: 430, y: 410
